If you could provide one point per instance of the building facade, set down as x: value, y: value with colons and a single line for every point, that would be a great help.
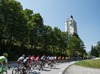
x: 71, y: 26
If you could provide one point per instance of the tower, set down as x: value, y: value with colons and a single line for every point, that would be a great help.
x: 70, y: 26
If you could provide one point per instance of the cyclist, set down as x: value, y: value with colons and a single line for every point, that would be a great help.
x: 4, y: 57
x: 32, y: 58
x: 26, y: 62
x: 3, y: 63
x: 20, y: 60
x: 51, y: 61
x: 43, y: 60
x: 37, y: 59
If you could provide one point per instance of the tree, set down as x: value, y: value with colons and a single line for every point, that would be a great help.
x: 97, y: 47
x: 76, y: 45
x: 13, y: 23
x: 94, y: 51
x: 46, y: 37
x: 36, y: 30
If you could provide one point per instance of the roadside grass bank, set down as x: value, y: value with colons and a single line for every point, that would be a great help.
x: 89, y: 63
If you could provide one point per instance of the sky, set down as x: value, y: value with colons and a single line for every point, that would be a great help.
x: 55, y: 12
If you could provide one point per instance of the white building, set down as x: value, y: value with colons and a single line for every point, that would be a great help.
x: 71, y: 26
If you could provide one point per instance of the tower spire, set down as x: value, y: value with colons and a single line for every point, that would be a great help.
x: 71, y: 16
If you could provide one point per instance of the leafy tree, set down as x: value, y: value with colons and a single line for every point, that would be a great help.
x: 94, y: 51
x: 46, y: 37
x: 13, y: 24
x: 97, y: 47
x: 36, y: 30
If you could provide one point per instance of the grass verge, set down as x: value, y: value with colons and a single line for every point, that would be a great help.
x: 90, y: 63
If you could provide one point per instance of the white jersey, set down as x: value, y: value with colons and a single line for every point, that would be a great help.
x: 20, y: 58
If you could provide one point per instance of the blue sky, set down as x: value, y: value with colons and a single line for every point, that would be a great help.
x: 55, y: 12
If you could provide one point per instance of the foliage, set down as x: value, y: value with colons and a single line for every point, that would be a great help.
x: 95, y: 51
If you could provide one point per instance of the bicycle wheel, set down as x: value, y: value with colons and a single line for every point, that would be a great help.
x: 16, y: 70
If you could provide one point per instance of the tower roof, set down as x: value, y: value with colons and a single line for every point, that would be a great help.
x: 71, y: 16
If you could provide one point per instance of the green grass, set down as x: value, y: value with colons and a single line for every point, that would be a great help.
x: 90, y: 63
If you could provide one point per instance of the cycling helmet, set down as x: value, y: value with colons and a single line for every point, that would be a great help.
x: 5, y: 54
x: 23, y: 55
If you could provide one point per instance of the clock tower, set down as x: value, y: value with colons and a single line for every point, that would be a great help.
x: 70, y: 26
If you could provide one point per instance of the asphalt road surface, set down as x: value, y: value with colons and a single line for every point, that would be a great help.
x: 74, y: 69
x: 56, y: 69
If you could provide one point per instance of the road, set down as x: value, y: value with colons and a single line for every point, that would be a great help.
x: 56, y: 69
x: 75, y: 69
